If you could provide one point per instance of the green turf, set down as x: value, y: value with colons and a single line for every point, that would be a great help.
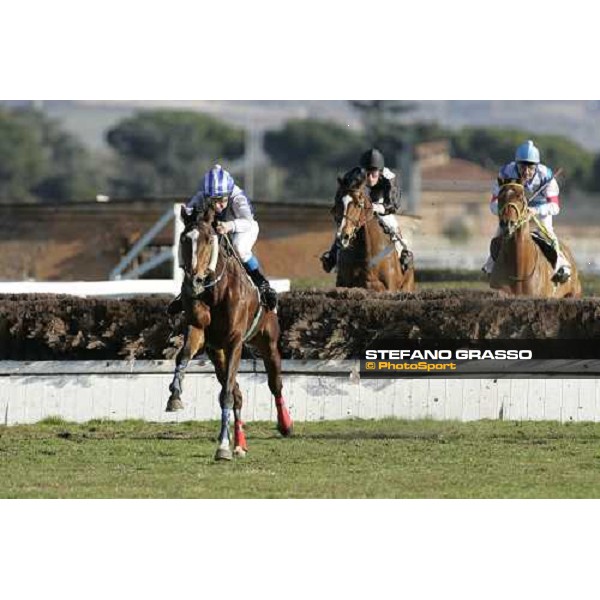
x: 354, y: 459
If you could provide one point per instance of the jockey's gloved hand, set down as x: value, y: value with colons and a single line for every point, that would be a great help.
x: 224, y: 227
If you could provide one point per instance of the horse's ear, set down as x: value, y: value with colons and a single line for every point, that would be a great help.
x: 188, y: 216
x: 209, y: 214
x: 339, y: 180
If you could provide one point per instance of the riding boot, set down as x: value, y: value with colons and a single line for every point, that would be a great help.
x: 563, y: 268
x: 329, y: 258
x: 406, y: 259
x: 267, y: 293
x: 175, y: 306
x: 405, y: 256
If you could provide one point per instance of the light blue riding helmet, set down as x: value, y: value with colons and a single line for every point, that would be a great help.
x: 527, y: 152
x: 218, y: 183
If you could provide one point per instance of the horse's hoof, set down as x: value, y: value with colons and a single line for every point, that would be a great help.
x: 223, y: 454
x: 174, y: 404
x: 239, y: 452
x: 286, y: 431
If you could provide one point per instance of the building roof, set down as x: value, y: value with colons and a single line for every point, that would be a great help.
x: 457, y: 169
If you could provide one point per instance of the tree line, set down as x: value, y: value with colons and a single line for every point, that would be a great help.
x: 165, y: 152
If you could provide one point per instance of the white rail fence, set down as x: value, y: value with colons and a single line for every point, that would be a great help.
x: 117, y: 288
x: 315, y: 390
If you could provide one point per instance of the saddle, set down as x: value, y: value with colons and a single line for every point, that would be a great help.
x: 548, y: 250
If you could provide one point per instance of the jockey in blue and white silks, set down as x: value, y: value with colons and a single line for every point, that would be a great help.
x: 534, y: 176
x: 234, y: 215
x: 233, y: 211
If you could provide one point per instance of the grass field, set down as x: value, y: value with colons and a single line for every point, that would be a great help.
x: 349, y: 459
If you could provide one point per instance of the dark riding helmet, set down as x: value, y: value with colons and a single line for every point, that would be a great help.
x: 372, y: 159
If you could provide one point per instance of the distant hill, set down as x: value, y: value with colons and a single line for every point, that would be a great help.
x: 576, y: 119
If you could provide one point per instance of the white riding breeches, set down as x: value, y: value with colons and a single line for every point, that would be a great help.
x: 547, y: 223
x: 391, y: 222
x: 244, y: 241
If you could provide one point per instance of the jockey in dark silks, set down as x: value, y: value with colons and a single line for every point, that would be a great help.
x: 385, y: 196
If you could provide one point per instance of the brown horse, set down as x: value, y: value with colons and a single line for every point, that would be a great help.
x: 521, y: 267
x: 367, y: 257
x: 223, y: 311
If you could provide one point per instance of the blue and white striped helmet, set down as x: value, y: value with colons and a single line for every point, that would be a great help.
x: 218, y: 183
x: 527, y: 152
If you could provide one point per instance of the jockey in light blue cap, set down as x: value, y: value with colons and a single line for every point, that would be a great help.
x: 234, y: 215
x: 527, y: 153
x: 534, y: 176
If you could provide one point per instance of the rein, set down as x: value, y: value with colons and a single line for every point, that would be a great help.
x: 230, y: 254
x: 523, y: 217
x: 205, y: 286
x: 363, y: 220
x: 520, y: 208
x: 359, y: 223
x: 259, y: 313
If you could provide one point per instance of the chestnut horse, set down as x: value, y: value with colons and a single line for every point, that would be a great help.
x: 367, y: 257
x: 521, y: 267
x: 222, y: 312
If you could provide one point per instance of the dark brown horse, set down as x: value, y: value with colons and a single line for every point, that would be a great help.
x: 521, y: 267
x: 223, y: 311
x: 367, y: 257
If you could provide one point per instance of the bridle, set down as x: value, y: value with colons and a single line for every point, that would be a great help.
x: 520, y: 208
x: 523, y: 216
x: 366, y: 214
x: 196, y: 285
